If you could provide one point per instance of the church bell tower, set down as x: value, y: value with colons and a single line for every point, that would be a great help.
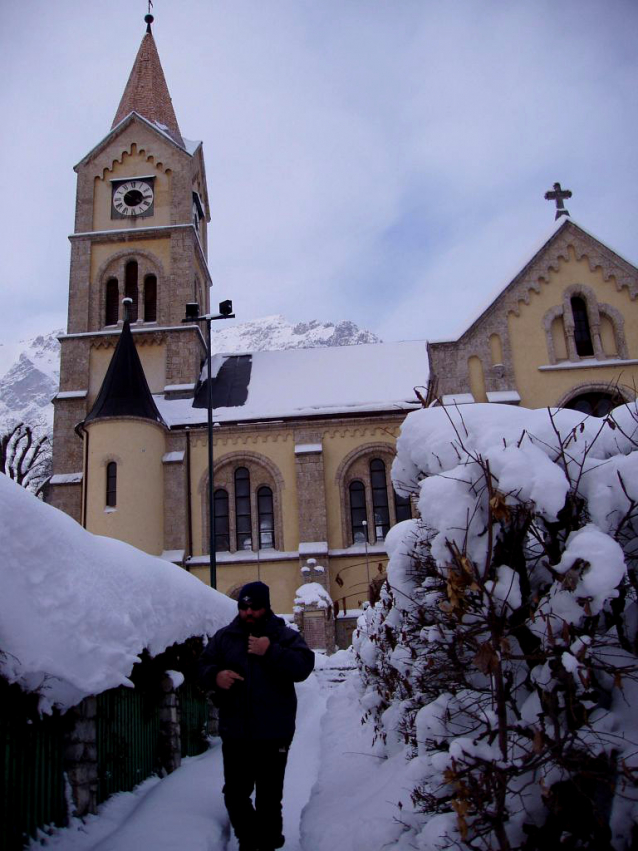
x: 140, y: 233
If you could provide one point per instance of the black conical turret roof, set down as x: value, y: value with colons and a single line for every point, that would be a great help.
x: 125, y: 391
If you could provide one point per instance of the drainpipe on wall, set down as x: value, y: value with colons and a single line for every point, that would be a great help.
x: 189, y: 508
x: 83, y: 434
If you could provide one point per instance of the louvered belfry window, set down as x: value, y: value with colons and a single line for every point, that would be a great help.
x: 111, y: 484
x: 131, y: 289
x: 150, y: 298
x: 242, y: 509
x: 112, y: 302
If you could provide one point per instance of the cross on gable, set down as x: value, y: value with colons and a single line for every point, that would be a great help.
x: 559, y: 195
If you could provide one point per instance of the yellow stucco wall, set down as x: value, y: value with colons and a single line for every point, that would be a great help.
x: 282, y: 577
x: 138, y: 517
x: 132, y: 165
x: 275, y: 446
x: 278, y: 447
x: 153, y: 357
x: 356, y: 572
x: 529, y: 346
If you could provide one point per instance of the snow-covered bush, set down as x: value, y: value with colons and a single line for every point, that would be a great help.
x: 503, y: 650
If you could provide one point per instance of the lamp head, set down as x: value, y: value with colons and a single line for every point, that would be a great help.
x: 192, y: 311
x: 226, y: 307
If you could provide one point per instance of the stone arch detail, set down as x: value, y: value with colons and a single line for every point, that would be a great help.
x: 262, y: 472
x: 255, y: 458
x: 360, y: 451
x: 548, y: 320
x: 618, y: 321
x: 148, y: 264
x: 130, y: 150
x: 627, y: 393
x: 355, y: 466
x: 594, y: 311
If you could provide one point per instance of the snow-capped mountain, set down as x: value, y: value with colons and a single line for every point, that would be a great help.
x: 273, y: 332
x: 30, y: 369
x: 29, y: 377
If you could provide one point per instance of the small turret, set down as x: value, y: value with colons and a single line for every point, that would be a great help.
x: 124, y: 443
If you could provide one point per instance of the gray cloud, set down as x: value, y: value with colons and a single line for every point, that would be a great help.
x: 384, y: 162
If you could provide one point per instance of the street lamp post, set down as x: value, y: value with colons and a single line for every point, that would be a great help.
x: 365, y: 528
x: 192, y: 315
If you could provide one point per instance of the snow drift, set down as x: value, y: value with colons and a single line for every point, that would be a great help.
x: 76, y: 609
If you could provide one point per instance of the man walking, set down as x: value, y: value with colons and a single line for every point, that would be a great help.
x: 251, y: 666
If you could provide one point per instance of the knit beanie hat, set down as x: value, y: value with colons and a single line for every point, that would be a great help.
x: 256, y: 595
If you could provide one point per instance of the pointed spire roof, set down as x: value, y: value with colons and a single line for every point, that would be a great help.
x: 125, y: 391
x: 146, y: 91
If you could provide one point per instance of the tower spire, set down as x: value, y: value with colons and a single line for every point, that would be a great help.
x: 146, y: 91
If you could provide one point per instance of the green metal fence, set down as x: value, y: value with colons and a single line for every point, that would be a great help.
x: 32, y: 782
x: 127, y: 740
x: 32, y: 791
x: 193, y: 720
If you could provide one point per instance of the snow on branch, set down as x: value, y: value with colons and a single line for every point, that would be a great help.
x: 502, y: 654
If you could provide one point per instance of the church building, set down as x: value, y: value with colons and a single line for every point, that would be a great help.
x: 303, y: 439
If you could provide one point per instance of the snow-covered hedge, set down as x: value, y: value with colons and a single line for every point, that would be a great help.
x: 77, y: 610
x: 502, y: 655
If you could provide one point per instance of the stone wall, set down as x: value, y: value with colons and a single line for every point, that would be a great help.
x: 80, y: 756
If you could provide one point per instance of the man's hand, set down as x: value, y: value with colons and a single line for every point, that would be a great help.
x: 225, y: 679
x: 258, y: 645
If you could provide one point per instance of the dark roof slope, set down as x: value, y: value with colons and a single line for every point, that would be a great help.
x: 125, y: 391
x: 230, y: 385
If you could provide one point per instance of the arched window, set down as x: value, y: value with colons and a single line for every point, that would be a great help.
x: 266, y: 517
x: 111, y: 313
x: 379, y: 499
x: 111, y: 484
x: 594, y: 404
x: 150, y: 298
x: 130, y: 288
x: 582, y: 334
x: 222, y: 535
x: 402, y: 507
x: 358, y: 514
x: 242, y: 509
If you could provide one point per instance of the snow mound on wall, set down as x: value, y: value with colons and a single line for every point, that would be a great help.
x: 312, y: 593
x: 76, y: 609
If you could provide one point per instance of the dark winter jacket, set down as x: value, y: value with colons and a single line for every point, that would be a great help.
x: 264, y: 704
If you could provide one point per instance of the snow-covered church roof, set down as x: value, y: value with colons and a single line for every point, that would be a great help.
x: 329, y: 381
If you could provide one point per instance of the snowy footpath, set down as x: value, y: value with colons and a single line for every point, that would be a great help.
x: 186, y: 811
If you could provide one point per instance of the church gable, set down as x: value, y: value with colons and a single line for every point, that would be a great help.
x: 570, y: 244
x: 134, y: 150
x: 128, y: 163
x: 567, y: 308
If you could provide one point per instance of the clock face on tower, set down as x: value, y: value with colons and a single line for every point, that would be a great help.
x: 132, y: 198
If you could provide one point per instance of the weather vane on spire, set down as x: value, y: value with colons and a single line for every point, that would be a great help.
x: 559, y: 196
x: 148, y: 17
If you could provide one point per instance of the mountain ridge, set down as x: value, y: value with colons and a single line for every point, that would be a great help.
x: 30, y: 369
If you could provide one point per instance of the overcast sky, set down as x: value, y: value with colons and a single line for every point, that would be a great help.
x: 382, y: 161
